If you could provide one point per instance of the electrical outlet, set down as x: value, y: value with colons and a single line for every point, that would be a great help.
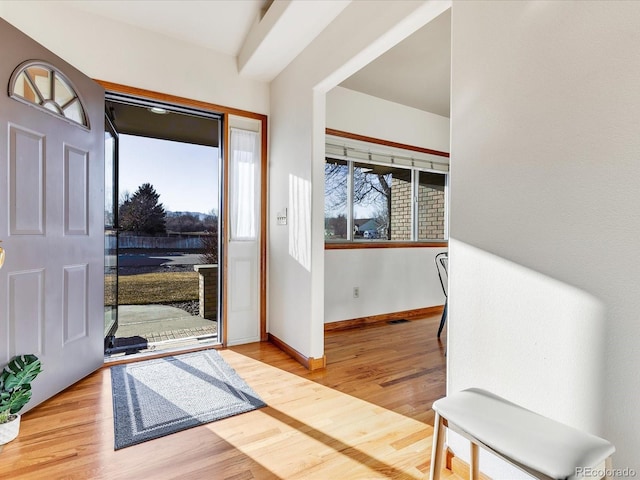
x: 356, y: 292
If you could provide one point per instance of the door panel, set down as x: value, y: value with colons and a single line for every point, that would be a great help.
x: 76, y: 191
x: 75, y: 321
x: 26, y: 182
x: 51, y: 225
x: 26, y: 311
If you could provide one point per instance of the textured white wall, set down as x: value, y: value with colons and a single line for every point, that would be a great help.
x: 390, y: 280
x: 544, y: 268
x: 356, y: 112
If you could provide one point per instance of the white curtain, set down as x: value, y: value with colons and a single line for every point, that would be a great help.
x: 244, y: 168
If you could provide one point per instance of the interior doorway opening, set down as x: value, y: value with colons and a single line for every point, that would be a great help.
x: 162, y: 226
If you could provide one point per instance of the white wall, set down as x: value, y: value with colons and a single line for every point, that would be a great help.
x: 296, y: 294
x: 544, y: 223
x: 357, y: 112
x: 390, y: 280
x: 108, y: 50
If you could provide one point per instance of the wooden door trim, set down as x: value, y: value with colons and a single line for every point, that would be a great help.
x: 225, y: 226
x: 168, y: 98
x: 386, y: 143
x: 224, y: 112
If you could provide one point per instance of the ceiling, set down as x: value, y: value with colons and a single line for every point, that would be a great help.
x: 415, y: 73
x: 221, y: 25
x: 168, y: 123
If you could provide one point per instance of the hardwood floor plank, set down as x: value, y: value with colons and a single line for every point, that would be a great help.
x: 367, y: 415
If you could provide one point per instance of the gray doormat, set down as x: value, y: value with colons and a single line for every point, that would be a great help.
x: 158, y: 397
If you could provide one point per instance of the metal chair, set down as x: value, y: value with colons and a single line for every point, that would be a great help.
x: 442, y: 265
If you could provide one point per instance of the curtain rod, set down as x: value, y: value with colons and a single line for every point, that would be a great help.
x: 369, y: 153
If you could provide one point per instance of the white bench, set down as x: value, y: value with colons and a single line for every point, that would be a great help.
x: 536, y: 444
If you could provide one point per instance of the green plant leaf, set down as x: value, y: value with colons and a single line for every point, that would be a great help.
x: 4, y: 416
x: 18, y: 400
x: 15, y: 383
x: 21, y: 371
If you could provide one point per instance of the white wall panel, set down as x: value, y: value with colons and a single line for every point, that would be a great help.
x: 241, y: 292
x: 356, y: 112
x: 242, y: 326
x: 389, y: 280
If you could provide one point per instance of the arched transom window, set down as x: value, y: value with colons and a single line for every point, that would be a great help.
x: 46, y: 87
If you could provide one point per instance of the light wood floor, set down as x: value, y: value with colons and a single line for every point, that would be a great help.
x: 367, y: 415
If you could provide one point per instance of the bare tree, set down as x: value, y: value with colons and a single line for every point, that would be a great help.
x: 370, y: 189
x: 210, y: 241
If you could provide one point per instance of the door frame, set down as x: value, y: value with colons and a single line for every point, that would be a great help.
x: 109, y: 127
x: 225, y: 112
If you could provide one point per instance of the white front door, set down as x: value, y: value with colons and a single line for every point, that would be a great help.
x: 243, y: 248
x: 51, y: 213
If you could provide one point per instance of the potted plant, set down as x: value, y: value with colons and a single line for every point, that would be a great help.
x: 15, y: 392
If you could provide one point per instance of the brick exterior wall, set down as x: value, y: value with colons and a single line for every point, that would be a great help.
x: 208, y: 290
x: 400, y: 209
x: 430, y: 211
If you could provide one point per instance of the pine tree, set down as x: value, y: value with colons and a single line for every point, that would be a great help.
x: 141, y: 213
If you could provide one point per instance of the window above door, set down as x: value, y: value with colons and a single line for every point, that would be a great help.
x: 45, y: 87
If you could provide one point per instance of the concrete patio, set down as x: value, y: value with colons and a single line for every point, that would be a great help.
x: 144, y: 325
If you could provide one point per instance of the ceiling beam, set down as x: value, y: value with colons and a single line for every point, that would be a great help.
x: 283, y: 32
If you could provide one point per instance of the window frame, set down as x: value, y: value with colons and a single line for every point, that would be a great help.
x: 59, y: 111
x: 350, y: 242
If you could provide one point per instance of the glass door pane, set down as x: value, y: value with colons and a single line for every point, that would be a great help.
x: 110, y: 234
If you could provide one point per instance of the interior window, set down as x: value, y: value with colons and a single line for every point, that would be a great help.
x: 336, y: 173
x: 381, y: 202
x: 375, y: 202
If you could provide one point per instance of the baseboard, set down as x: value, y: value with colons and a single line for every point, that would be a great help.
x: 460, y: 467
x: 309, y: 363
x: 385, y: 317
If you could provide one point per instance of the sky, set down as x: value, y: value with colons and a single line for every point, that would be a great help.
x: 185, y: 175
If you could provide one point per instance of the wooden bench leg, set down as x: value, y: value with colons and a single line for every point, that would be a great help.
x: 608, y: 466
x: 437, y: 451
x: 474, y: 472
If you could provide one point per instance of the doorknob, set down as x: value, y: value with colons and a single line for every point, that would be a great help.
x: 1, y: 255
